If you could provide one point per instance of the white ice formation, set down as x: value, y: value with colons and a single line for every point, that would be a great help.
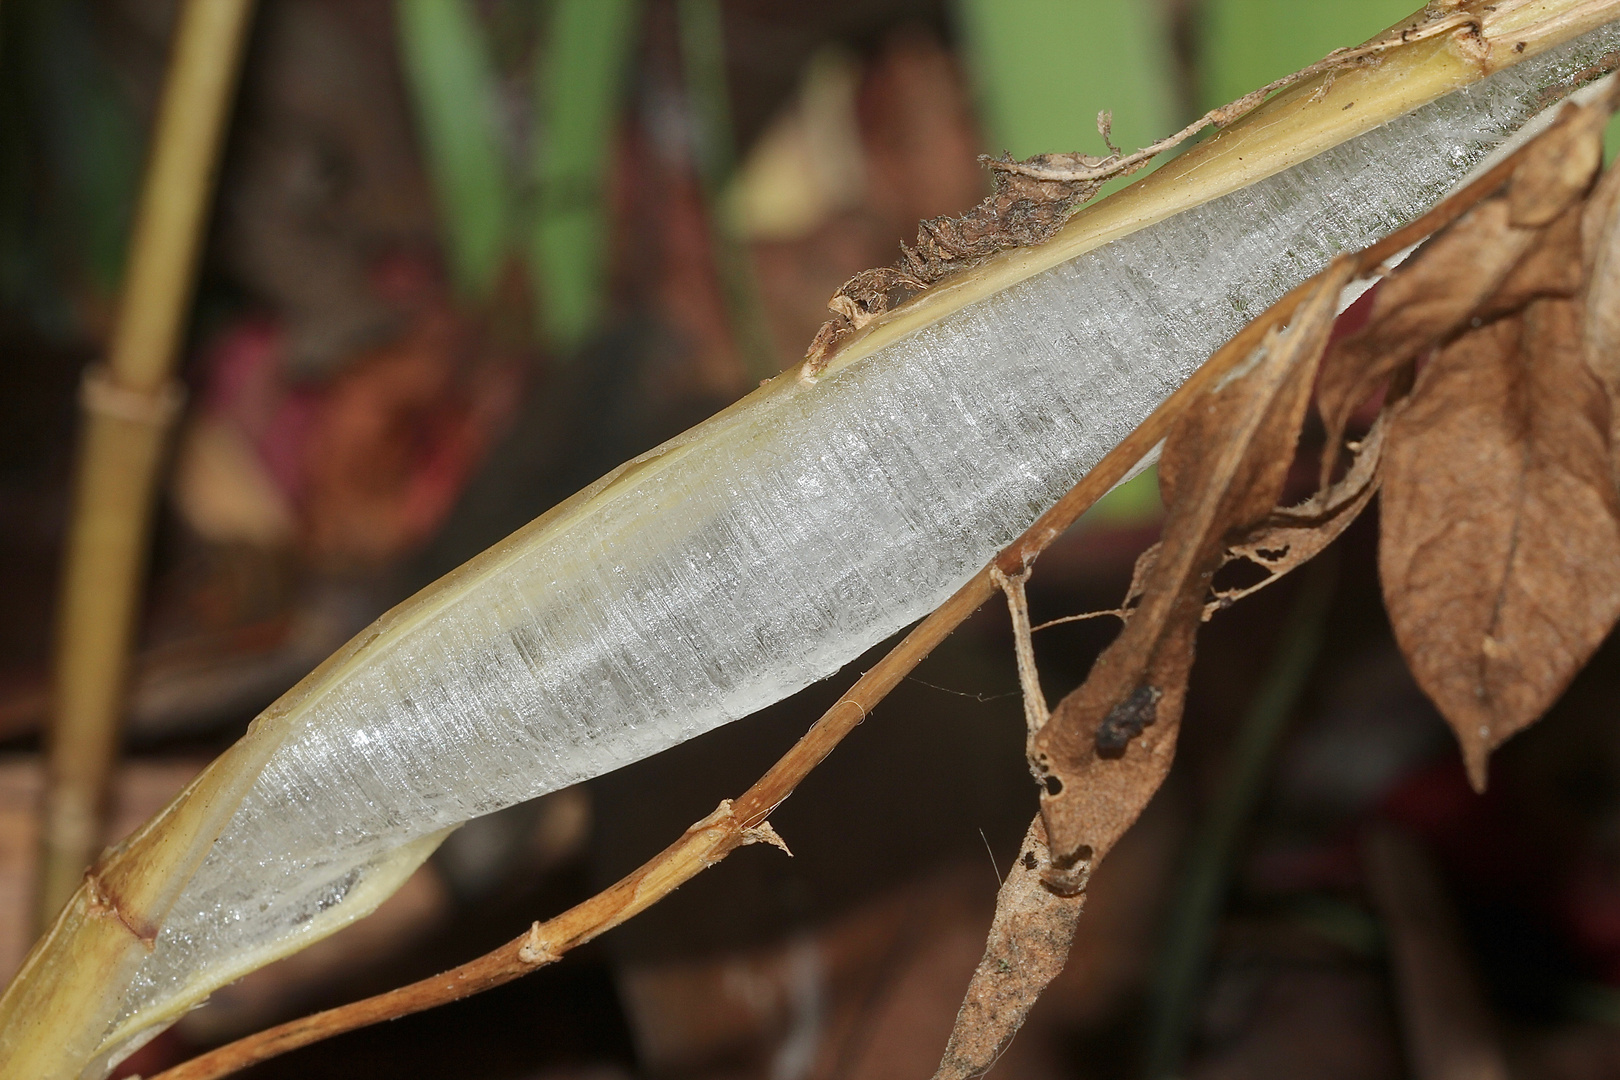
x: 713, y: 581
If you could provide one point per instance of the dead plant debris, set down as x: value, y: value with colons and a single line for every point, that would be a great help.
x: 1029, y: 943
x: 1496, y: 350
x: 1031, y: 199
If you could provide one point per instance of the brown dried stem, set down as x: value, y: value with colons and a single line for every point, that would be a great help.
x: 743, y: 821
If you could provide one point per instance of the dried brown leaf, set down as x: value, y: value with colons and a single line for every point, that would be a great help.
x: 1423, y: 302
x: 1550, y: 268
x: 1453, y: 279
x: 1109, y: 743
x: 1291, y: 537
x: 1500, y: 549
x: 1600, y: 256
x: 1559, y: 167
x: 1027, y: 948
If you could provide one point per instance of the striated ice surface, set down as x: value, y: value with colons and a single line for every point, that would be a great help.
x: 700, y: 593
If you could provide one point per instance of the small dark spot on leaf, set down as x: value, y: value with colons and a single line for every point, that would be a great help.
x: 1126, y: 720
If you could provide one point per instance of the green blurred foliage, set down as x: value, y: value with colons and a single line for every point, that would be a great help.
x: 1044, y: 69
x: 452, y: 80
x: 1244, y: 44
x: 93, y: 140
x: 71, y: 146
x: 703, y: 69
x: 514, y: 185
x: 1134, y: 502
x: 579, y: 81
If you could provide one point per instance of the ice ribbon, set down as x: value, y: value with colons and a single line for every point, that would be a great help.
x: 722, y: 574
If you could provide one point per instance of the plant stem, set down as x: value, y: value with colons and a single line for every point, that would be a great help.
x: 1208, y: 869
x: 129, y: 406
x: 742, y: 822
x: 60, y: 1012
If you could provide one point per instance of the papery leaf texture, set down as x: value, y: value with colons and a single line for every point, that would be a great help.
x: 1500, y: 547
x: 1109, y: 744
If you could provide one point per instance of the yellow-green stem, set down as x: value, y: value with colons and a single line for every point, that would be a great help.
x: 128, y: 409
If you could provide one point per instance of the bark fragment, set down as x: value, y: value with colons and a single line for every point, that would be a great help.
x: 1020, y: 211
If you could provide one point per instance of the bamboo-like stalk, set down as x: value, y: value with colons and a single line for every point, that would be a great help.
x: 62, y: 1016
x: 129, y: 406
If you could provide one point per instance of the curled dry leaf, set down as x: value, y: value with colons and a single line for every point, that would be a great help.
x: 1500, y: 547
x: 1027, y: 948
x: 1500, y: 553
x: 1109, y: 743
x: 1455, y: 276
x: 1600, y: 251
x: 1291, y: 537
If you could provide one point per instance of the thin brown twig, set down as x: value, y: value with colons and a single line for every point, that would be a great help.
x: 743, y: 821
x: 1036, y: 714
x: 1119, y: 613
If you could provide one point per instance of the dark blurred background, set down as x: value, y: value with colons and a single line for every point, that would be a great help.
x: 466, y: 256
